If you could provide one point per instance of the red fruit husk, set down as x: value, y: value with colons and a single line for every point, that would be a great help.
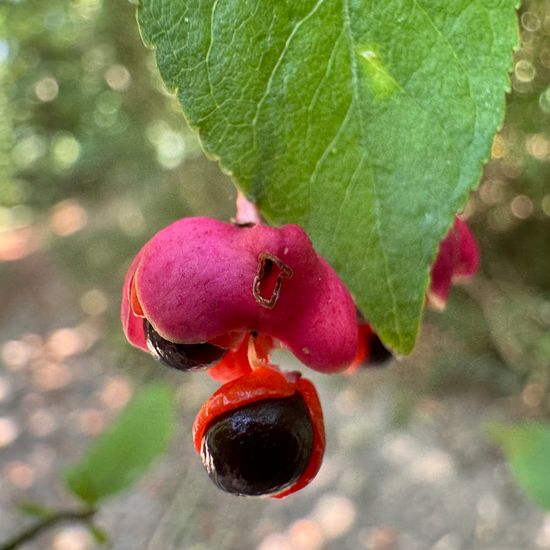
x: 363, y: 350
x: 238, y: 361
x: 308, y: 392
x: 260, y: 384
x: 233, y: 365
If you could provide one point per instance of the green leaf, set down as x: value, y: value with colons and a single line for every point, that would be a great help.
x: 365, y: 122
x: 100, y: 536
x: 35, y: 510
x: 527, y: 449
x: 124, y: 451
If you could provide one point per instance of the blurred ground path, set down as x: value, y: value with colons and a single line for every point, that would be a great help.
x: 422, y: 480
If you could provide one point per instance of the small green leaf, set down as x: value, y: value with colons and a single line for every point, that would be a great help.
x: 527, y: 449
x: 123, y: 452
x: 100, y: 536
x: 367, y: 123
x: 35, y: 510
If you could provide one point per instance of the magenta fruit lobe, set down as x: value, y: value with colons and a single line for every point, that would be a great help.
x: 201, y: 278
x: 458, y: 258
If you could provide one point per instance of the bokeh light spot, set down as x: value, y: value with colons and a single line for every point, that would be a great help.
x: 50, y: 376
x: 335, y: 514
x: 524, y: 70
x: 521, y: 206
x: 116, y: 392
x: 87, y: 9
x: 67, y: 217
x: 46, y: 89
x: 15, y: 354
x: 544, y: 101
x: 94, y: 302
x: 492, y: 192
x: 9, y: 431
x: 530, y: 21
x: 42, y: 423
x: 130, y: 219
x: 19, y: 474
x: 306, y: 534
x: 65, y: 342
x: 533, y: 395
x: 28, y: 150
x: 117, y: 78
x: 66, y: 150
x: 379, y: 538
x: 170, y: 149
x: 91, y: 421
x: 170, y: 145
x: 538, y: 146
x: 73, y: 538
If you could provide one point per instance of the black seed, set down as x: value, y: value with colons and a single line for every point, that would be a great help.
x: 379, y: 353
x: 244, y: 225
x: 261, y: 448
x: 181, y: 356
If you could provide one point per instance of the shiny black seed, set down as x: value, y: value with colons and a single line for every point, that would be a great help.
x: 379, y: 353
x: 181, y: 356
x: 244, y: 225
x: 261, y: 448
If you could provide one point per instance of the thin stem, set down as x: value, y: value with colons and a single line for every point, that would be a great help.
x: 46, y: 523
x: 247, y: 213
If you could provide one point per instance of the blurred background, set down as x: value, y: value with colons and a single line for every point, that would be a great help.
x: 94, y: 159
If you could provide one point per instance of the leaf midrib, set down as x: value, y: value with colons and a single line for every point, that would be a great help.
x: 355, y: 94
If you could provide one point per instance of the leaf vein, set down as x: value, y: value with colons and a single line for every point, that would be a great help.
x: 355, y: 82
x: 280, y: 59
x: 320, y: 85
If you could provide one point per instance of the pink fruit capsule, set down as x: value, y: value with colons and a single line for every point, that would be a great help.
x: 200, y: 279
x: 458, y: 258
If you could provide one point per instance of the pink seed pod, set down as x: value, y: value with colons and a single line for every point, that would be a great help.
x: 132, y: 323
x: 458, y: 258
x: 200, y: 279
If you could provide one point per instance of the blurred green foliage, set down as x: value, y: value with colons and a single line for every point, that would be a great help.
x: 527, y: 448
x: 121, y: 454
x: 95, y: 157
